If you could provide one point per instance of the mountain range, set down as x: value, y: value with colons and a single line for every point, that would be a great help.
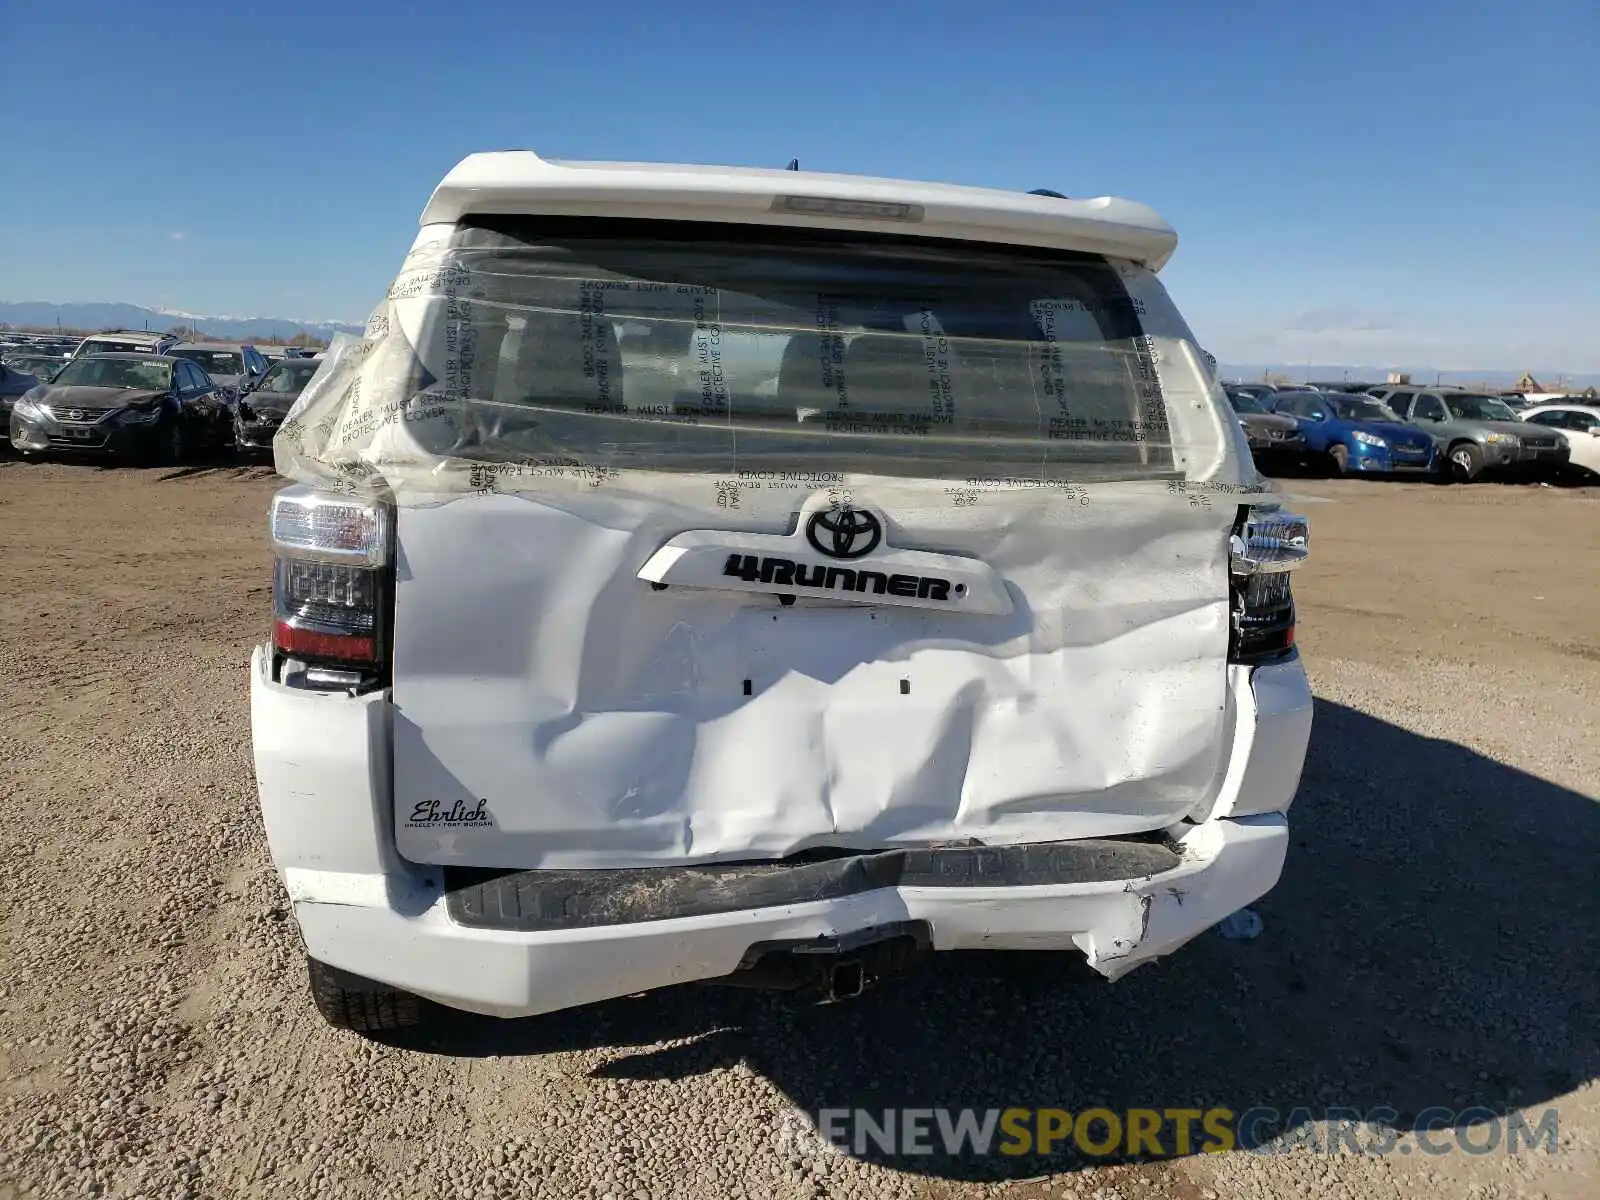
x: 134, y: 316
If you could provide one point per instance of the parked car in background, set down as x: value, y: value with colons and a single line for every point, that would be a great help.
x: 1578, y: 425
x: 1275, y: 441
x: 1347, y: 385
x: 41, y: 366
x: 272, y: 353
x: 38, y: 349
x: 1477, y: 432
x: 1357, y: 434
x: 236, y: 367
x: 1256, y: 391
x: 1556, y: 399
x: 125, y: 341
x: 14, y: 384
x: 258, y: 415
x: 122, y: 405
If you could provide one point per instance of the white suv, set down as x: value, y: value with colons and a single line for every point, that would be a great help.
x: 125, y: 341
x: 763, y: 576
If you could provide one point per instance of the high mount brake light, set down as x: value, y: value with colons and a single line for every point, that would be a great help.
x: 332, y: 582
x: 827, y: 206
x: 1266, y: 546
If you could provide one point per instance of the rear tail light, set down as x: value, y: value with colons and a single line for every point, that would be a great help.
x: 1267, y: 545
x: 332, y: 590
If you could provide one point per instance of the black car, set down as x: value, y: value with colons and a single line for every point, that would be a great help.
x: 262, y: 411
x: 42, y: 367
x: 14, y: 384
x: 236, y: 367
x: 1256, y: 391
x: 115, y: 405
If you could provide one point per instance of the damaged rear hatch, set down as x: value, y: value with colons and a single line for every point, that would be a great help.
x: 720, y: 543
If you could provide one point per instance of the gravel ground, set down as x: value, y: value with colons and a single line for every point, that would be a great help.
x: 1432, y: 943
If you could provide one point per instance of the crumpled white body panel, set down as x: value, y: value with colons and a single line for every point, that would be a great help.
x: 589, y: 720
x: 553, y: 709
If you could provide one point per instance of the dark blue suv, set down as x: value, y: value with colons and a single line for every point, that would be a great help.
x: 1357, y: 434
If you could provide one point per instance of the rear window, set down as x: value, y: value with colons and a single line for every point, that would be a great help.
x: 213, y: 362
x: 99, y: 346
x: 689, y: 347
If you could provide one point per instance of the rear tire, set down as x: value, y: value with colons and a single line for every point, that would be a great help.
x: 351, y: 1002
x: 1465, y: 461
x: 171, y: 446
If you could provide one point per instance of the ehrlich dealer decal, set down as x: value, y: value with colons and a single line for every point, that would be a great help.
x: 432, y: 814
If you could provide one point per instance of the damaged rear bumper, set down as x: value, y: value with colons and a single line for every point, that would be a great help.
x: 475, y: 941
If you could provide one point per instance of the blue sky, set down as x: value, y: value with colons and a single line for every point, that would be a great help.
x: 1360, y: 182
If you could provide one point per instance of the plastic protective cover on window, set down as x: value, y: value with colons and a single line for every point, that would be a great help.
x: 569, y: 378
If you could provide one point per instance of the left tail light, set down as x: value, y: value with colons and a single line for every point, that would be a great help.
x: 1266, y: 547
x: 332, y: 590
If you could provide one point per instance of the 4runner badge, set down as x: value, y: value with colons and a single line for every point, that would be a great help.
x: 798, y: 564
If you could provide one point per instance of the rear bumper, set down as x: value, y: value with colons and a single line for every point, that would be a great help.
x: 322, y: 765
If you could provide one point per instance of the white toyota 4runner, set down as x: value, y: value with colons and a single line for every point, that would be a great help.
x: 765, y: 576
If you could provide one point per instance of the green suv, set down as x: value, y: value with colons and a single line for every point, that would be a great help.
x: 1476, y: 433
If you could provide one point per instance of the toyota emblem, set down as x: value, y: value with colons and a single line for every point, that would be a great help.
x: 844, y: 532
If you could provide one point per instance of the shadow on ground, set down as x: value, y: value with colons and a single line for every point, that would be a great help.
x: 216, y: 464
x: 222, y: 466
x: 1432, y: 943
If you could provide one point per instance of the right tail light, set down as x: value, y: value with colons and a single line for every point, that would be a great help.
x: 1266, y: 546
x: 332, y: 590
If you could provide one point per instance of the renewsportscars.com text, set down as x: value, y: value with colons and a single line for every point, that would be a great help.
x: 1175, y: 1132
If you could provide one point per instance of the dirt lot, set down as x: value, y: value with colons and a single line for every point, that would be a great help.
x: 1433, y: 942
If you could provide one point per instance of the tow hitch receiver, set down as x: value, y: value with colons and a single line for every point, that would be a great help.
x: 837, y: 968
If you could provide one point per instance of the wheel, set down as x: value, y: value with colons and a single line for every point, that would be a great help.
x: 348, y: 1001
x: 1466, y: 461
x: 171, y: 446
x: 1338, y: 459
